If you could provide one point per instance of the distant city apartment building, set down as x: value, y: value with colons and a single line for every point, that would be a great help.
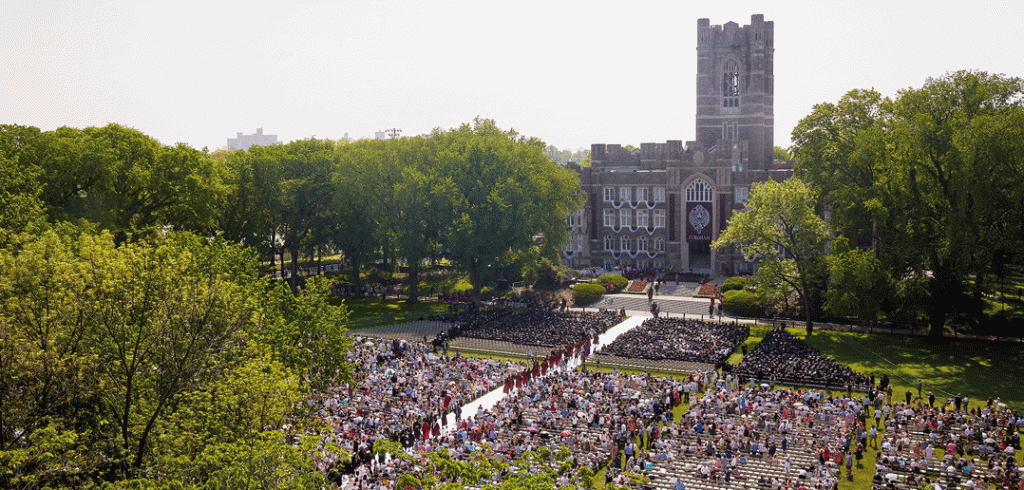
x: 246, y: 141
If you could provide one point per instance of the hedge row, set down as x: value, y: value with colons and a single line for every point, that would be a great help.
x: 618, y: 282
x: 585, y: 293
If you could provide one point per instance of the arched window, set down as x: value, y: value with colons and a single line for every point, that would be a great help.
x: 659, y: 244
x: 625, y: 244
x: 641, y: 244
x: 699, y: 191
x: 609, y: 243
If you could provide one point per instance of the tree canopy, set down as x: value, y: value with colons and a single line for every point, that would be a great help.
x: 930, y: 181
x: 782, y: 229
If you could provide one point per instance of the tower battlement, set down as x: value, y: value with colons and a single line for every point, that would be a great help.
x: 736, y: 87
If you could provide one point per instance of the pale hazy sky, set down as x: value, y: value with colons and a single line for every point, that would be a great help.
x: 569, y: 72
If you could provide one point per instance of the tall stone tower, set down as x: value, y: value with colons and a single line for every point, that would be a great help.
x: 735, y: 91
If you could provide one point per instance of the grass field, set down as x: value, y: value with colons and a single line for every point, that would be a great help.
x: 375, y: 312
x: 978, y: 369
x: 975, y: 368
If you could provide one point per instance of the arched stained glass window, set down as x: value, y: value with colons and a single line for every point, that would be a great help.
x: 699, y: 191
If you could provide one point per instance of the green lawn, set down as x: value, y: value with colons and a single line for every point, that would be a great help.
x: 375, y: 312
x: 978, y: 369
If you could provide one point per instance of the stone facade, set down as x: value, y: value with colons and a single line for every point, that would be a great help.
x: 661, y: 205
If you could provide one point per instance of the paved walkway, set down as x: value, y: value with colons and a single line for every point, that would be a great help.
x: 670, y: 305
x: 487, y: 401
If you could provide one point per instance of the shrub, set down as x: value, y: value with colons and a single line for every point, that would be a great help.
x: 547, y: 274
x: 618, y: 282
x: 585, y: 293
x: 740, y: 302
x: 734, y: 284
x: 739, y: 297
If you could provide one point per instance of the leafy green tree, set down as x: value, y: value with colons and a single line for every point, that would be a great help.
x: 507, y: 194
x: 930, y: 180
x: 782, y: 229
x: 263, y: 462
x: 44, y: 367
x: 307, y: 334
x: 548, y: 274
x: 423, y: 205
x: 840, y: 151
x: 21, y: 208
x: 858, y: 283
x: 102, y: 342
x: 782, y: 154
x: 254, y: 393
x: 161, y: 324
x: 357, y: 215
x: 121, y: 179
x: 306, y: 196
x: 247, y: 214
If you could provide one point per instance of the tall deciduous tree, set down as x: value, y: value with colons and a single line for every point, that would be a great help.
x: 940, y: 137
x: 123, y: 180
x: 782, y: 228
x: 20, y: 205
x: 307, y: 334
x: 161, y: 323
x: 930, y: 180
x: 102, y: 340
x: 424, y: 204
x: 507, y: 194
x: 356, y: 204
x: 305, y: 195
x: 858, y: 283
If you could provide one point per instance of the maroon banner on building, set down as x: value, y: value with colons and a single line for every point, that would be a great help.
x: 698, y: 221
x: 671, y: 217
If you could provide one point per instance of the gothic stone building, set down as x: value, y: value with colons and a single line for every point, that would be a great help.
x: 662, y: 205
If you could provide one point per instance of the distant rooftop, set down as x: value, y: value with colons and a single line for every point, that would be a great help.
x: 246, y: 141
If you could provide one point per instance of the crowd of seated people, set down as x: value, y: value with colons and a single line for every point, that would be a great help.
x: 595, y: 416
x: 402, y: 391
x: 544, y: 328
x: 784, y: 358
x: 679, y: 339
x: 772, y: 438
x: 977, y: 444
